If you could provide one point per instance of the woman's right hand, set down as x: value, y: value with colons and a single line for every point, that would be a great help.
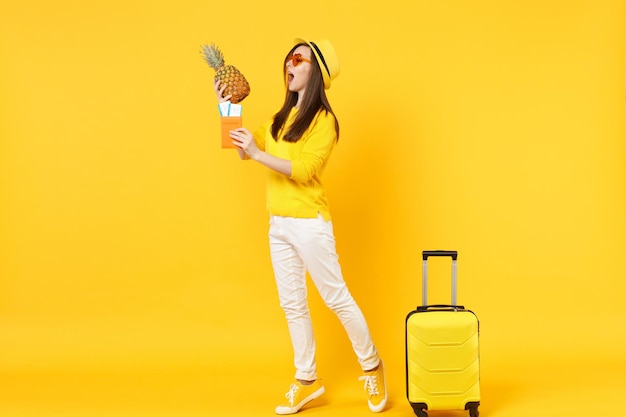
x: 219, y: 91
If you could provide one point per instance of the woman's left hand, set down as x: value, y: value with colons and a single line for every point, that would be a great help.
x: 219, y: 91
x: 243, y: 139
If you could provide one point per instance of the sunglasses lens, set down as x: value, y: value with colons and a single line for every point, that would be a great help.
x: 296, y: 59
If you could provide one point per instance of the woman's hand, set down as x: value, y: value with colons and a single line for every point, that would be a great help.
x: 219, y: 91
x: 243, y: 139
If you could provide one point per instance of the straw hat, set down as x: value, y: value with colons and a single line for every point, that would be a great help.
x: 326, y: 58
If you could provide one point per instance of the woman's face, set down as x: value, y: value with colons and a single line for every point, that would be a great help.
x: 298, y: 75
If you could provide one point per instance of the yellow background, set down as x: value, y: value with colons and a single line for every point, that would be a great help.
x: 134, y: 271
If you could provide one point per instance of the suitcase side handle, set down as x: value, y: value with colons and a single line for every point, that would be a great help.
x: 425, y: 255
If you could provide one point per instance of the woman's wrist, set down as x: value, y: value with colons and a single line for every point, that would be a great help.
x: 257, y: 155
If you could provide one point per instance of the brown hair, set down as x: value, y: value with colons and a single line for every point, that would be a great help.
x: 314, y: 101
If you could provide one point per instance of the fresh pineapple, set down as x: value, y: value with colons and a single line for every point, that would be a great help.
x: 236, y: 83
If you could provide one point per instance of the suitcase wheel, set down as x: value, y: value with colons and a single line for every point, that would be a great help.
x: 473, y: 409
x: 419, y: 409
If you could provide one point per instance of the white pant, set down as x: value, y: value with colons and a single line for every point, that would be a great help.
x: 298, y: 245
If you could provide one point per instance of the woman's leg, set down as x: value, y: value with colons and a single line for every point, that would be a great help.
x: 315, y: 244
x: 323, y: 265
x: 290, y: 274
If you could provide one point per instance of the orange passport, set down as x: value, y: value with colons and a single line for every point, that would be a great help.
x: 229, y: 123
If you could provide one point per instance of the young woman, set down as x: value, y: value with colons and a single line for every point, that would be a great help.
x: 295, y: 145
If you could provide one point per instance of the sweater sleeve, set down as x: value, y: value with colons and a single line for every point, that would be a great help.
x: 319, y: 142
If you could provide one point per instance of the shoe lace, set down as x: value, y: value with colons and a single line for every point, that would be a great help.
x: 291, y: 394
x: 371, y: 384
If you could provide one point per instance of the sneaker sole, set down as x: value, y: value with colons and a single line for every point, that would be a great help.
x: 292, y: 410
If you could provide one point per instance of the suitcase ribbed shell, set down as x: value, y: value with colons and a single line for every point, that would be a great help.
x: 442, y: 359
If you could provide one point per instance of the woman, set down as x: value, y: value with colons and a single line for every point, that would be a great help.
x: 295, y: 145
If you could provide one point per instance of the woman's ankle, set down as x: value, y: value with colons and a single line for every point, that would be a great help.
x: 303, y: 382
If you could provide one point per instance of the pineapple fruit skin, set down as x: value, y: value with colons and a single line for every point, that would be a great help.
x: 236, y: 83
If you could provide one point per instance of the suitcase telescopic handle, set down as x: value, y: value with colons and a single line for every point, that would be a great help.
x: 425, y: 255
x: 451, y: 253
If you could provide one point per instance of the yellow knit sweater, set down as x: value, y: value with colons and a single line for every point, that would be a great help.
x: 302, y: 195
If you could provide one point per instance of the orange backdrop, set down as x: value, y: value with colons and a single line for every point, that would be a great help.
x: 134, y: 262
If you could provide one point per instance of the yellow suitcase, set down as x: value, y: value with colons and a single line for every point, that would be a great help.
x: 442, y: 356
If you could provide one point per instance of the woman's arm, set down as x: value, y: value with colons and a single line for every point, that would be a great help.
x: 313, y: 155
x: 280, y: 165
x: 247, y: 148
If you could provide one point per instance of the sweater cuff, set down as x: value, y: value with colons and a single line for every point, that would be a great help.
x: 298, y: 172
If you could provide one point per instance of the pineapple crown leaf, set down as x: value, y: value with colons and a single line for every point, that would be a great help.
x: 212, y: 55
